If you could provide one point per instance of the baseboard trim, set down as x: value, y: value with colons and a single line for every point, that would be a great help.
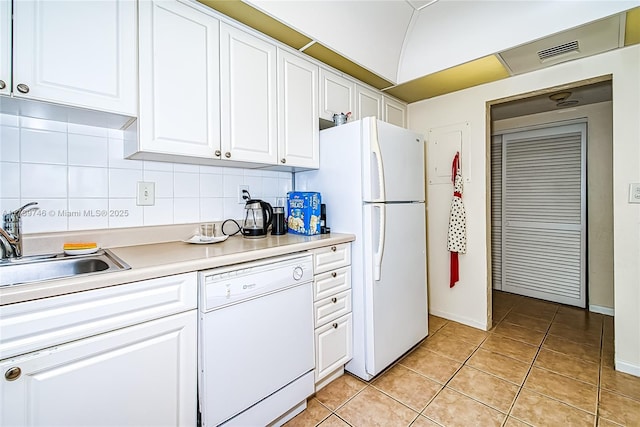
x: 602, y: 310
x: 464, y: 320
x: 628, y: 368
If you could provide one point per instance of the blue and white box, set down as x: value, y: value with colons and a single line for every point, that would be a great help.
x: 303, y: 209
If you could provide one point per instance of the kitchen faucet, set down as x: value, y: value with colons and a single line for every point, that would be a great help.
x: 11, y: 233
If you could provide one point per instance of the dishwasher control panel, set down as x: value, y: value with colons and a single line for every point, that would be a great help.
x: 223, y: 286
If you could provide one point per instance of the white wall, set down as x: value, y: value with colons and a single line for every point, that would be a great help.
x: 76, y: 173
x: 468, y: 300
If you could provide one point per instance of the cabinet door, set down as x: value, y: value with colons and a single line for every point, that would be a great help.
x: 5, y: 47
x: 368, y: 103
x: 140, y: 375
x: 248, y: 97
x: 337, y: 94
x: 395, y: 112
x: 298, y: 134
x: 179, y: 80
x: 76, y: 53
x: 334, y: 346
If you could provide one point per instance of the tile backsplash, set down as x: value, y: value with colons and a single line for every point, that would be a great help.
x: 81, y: 181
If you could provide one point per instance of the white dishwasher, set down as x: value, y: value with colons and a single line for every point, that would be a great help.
x: 255, y: 341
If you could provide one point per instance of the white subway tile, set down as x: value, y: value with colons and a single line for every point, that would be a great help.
x: 39, y: 146
x: 186, y: 210
x: 255, y: 186
x: 43, y: 181
x: 284, y: 186
x: 217, y: 170
x: 9, y: 180
x: 211, y: 209
x: 115, y: 133
x: 163, y: 182
x: 129, y: 214
x: 87, y: 150
x: 158, y: 166
x: 9, y: 120
x: 88, y: 214
x: 254, y: 172
x: 123, y: 183
x: 232, y: 171
x: 116, y: 156
x: 159, y: 214
x: 182, y: 167
x: 233, y: 209
x: 88, y: 182
x: 41, y: 124
x: 270, y: 187
x: 88, y: 130
x: 230, y: 185
x: 9, y: 144
x: 186, y: 184
x: 52, y: 216
x: 211, y: 185
x: 8, y: 205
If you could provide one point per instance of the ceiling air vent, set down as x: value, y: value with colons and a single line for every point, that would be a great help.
x: 561, y: 49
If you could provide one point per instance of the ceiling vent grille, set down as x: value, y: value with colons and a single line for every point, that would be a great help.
x: 561, y: 49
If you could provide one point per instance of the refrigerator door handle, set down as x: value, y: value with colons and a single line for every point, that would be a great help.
x: 377, y: 153
x: 377, y: 271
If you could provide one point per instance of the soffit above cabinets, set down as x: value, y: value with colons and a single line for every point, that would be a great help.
x: 418, y: 49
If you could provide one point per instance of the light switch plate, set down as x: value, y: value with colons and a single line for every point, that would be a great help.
x: 146, y: 193
x: 634, y: 192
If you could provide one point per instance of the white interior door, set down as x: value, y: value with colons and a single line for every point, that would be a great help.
x: 544, y: 215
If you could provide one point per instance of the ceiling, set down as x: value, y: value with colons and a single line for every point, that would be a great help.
x: 418, y: 49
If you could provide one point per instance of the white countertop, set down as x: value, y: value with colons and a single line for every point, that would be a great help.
x: 164, y: 259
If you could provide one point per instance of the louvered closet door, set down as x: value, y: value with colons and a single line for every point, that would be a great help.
x: 543, y: 212
x: 496, y: 212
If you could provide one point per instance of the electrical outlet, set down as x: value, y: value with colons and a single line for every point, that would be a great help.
x: 634, y: 193
x: 146, y: 193
x: 243, y: 194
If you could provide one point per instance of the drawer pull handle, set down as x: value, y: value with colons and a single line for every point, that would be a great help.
x: 335, y: 326
x: 227, y: 154
x: 333, y: 248
x: 22, y: 88
x: 334, y: 300
x: 2, y: 84
x: 13, y: 374
x: 334, y: 274
x: 218, y: 153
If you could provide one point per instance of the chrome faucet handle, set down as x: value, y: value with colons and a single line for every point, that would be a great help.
x: 11, y: 234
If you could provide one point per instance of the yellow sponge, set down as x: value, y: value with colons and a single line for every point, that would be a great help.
x: 81, y: 245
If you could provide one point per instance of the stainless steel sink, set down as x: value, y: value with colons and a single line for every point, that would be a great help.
x: 55, y: 266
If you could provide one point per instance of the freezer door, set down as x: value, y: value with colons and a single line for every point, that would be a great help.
x: 395, y: 281
x: 393, y: 163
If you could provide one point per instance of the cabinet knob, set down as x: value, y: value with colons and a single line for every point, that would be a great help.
x: 227, y: 154
x: 22, y: 88
x: 335, y: 326
x: 334, y: 300
x: 218, y: 153
x: 334, y: 274
x: 13, y: 374
x: 283, y: 160
x: 2, y: 84
x: 333, y: 249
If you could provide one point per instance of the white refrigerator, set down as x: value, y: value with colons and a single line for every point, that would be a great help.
x: 372, y: 180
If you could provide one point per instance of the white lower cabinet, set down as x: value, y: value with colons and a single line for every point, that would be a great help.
x: 140, y: 375
x: 332, y: 311
x: 119, y: 356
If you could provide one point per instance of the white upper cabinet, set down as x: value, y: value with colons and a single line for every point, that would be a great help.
x: 179, y: 80
x: 5, y: 47
x: 248, y: 97
x: 337, y: 94
x: 298, y: 135
x: 368, y: 103
x: 394, y: 112
x: 79, y: 53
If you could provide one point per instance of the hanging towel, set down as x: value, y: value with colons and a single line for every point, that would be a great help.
x: 457, y: 234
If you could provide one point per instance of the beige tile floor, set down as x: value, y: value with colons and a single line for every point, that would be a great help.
x: 542, y: 364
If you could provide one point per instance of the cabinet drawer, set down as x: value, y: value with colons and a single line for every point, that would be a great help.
x: 331, y: 308
x: 334, y: 346
x: 32, y: 325
x: 331, y: 282
x: 331, y: 257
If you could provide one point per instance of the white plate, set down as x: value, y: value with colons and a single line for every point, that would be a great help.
x: 196, y: 240
x: 81, y: 251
